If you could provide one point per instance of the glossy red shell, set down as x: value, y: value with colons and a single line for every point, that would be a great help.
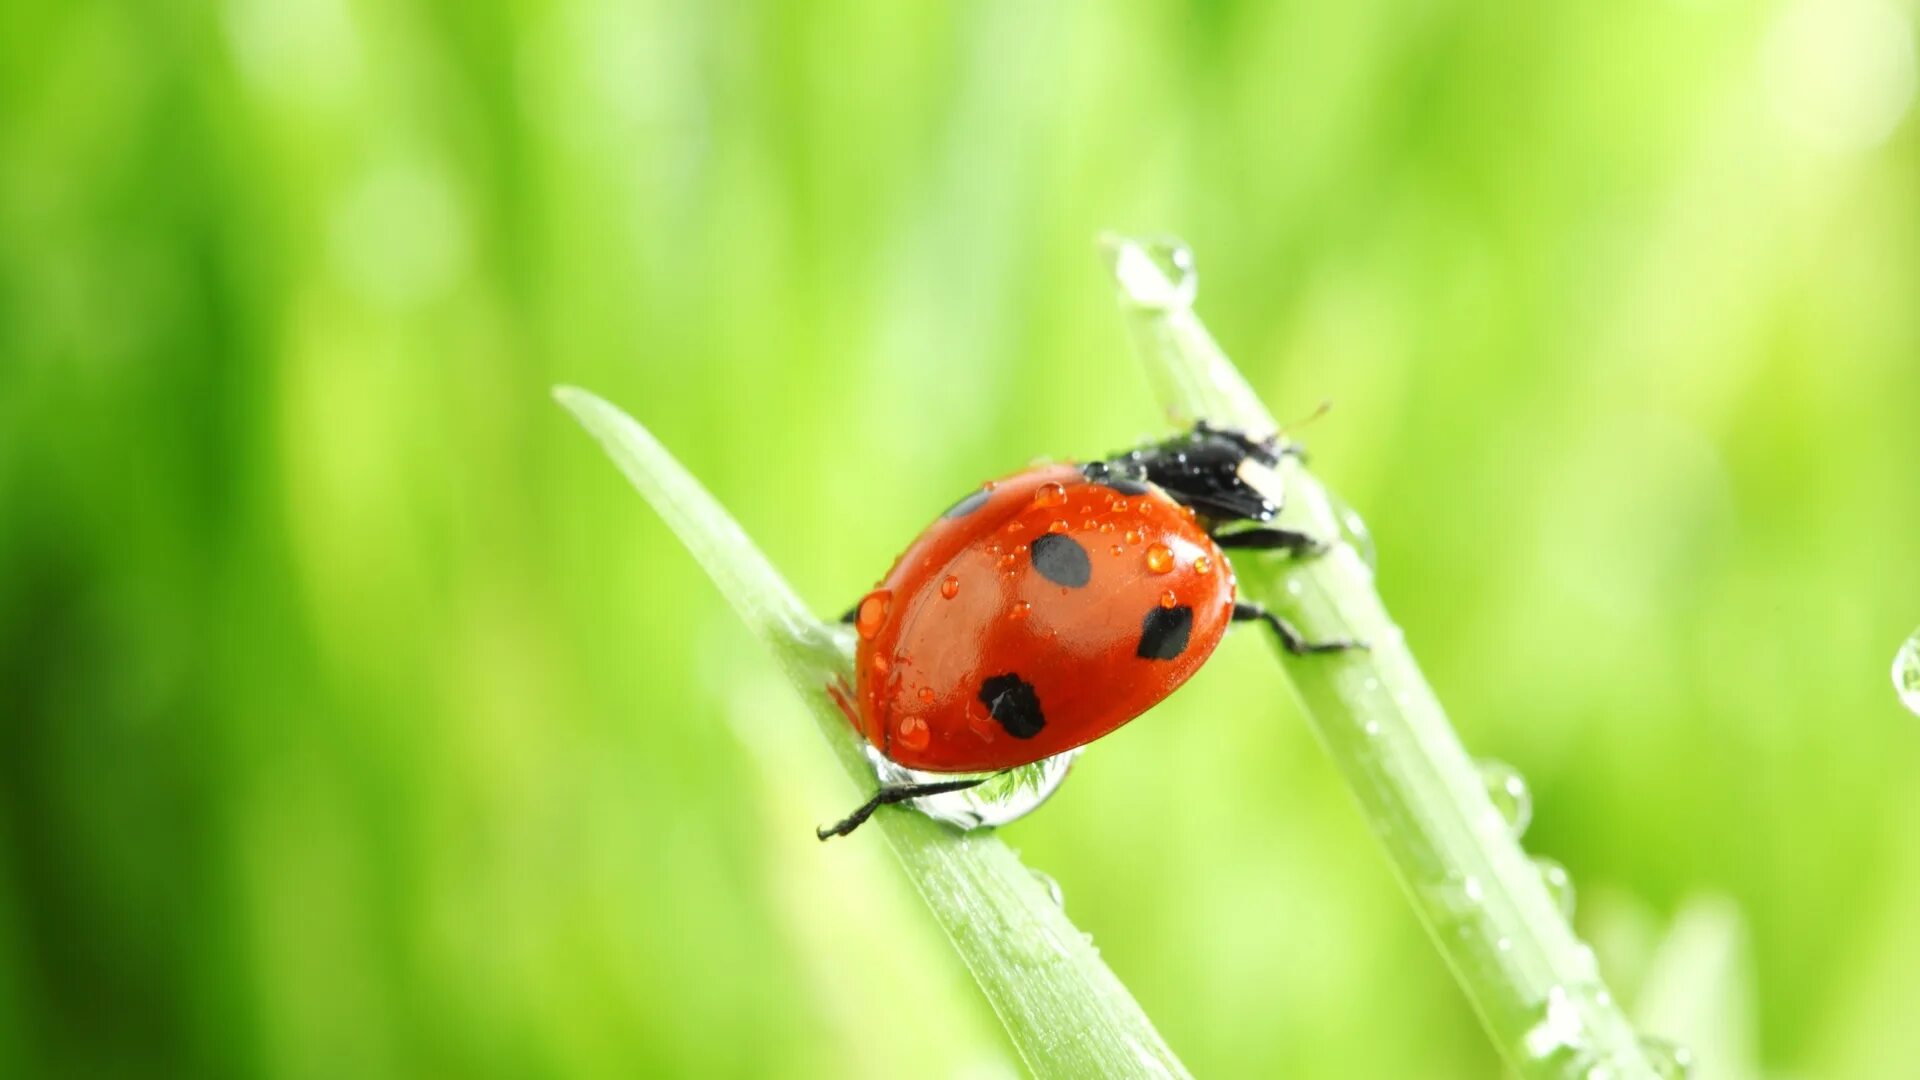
x: 966, y: 605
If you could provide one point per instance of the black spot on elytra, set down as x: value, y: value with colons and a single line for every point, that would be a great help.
x: 1164, y: 633
x: 974, y: 501
x: 1010, y: 700
x: 1061, y: 560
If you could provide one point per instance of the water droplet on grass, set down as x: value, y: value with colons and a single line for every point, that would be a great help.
x: 1558, y: 1029
x: 1053, y: 887
x: 1158, y: 274
x: 1558, y: 882
x: 1007, y: 797
x: 1670, y: 1060
x: 1509, y: 794
x: 1906, y: 673
x: 1353, y: 530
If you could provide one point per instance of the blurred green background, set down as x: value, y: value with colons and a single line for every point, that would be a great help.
x: 359, y: 721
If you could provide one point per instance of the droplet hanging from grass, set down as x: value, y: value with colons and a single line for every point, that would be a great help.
x: 1007, y: 797
x: 1509, y: 794
x: 1559, y: 883
x: 1906, y: 673
x: 1157, y: 274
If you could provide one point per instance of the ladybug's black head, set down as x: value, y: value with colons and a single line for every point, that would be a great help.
x: 1201, y: 469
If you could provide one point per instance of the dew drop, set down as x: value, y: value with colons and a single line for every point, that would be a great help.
x: 1906, y: 673
x: 872, y: 614
x: 1159, y: 558
x: 1118, y: 550
x: 1020, y: 610
x: 950, y: 587
x: 1089, y: 525
x: 880, y: 663
x: 1168, y: 599
x: 1157, y: 274
x: 1000, y: 800
x: 1106, y: 526
x: 1202, y: 565
x: 1059, y: 526
x: 1053, y: 887
x: 1049, y: 494
x: 1118, y: 506
x: 913, y: 733
x: 1133, y: 536
x: 1559, y: 1027
x: 1509, y: 794
x: 1015, y: 528
x: 1353, y: 530
x: 926, y: 694
x: 1670, y: 1060
x: 1558, y: 882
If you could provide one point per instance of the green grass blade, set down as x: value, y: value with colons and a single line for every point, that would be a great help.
x: 1534, y: 984
x: 1065, y: 1011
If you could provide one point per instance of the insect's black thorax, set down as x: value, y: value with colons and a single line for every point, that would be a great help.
x: 1201, y: 469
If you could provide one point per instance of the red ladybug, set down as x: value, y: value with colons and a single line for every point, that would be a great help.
x: 1046, y: 609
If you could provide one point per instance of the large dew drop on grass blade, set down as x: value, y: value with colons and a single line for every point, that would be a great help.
x: 1906, y: 673
x: 1005, y: 798
x: 1509, y: 794
x: 1157, y: 274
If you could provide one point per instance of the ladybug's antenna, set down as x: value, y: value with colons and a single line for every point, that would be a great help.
x: 1325, y: 406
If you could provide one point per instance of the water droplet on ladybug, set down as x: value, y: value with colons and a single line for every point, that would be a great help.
x: 913, y: 733
x: 1509, y: 794
x: 1159, y: 558
x: 1059, y: 526
x: 1119, y: 550
x: 1906, y: 673
x: 926, y: 694
x: 1020, y: 610
x: 1106, y: 527
x: 1202, y: 565
x: 993, y: 548
x: 1133, y: 536
x: 1015, y: 529
x: 1049, y: 494
x: 1118, y: 506
x: 880, y: 663
x: 1168, y: 599
x: 950, y: 587
x: 872, y: 614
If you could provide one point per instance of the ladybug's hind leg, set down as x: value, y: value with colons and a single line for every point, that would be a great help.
x: 1291, y: 638
x: 896, y: 793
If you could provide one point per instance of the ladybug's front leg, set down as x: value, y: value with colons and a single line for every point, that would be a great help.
x: 1268, y: 538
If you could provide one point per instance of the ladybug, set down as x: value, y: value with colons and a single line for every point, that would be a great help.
x: 1045, y: 609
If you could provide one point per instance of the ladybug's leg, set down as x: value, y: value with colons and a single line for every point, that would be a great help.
x: 896, y: 793
x: 1291, y: 638
x: 1271, y: 539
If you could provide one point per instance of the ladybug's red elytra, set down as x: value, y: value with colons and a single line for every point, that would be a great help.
x: 1048, y: 608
